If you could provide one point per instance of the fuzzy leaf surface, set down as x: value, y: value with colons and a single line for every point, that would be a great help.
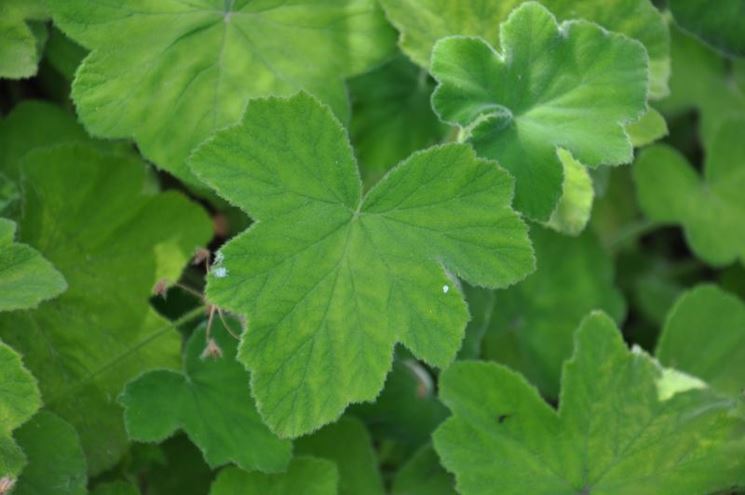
x: 704, y: 335
x: 26, y: 278
x: 331, y: 281
x: 306, y: 475
x: 211, y: 401
x: 19, y: 400
x: 169, y: 73
x: 23, y: 34
x: 90, y: 215
x: 570, y: 86
x: 621, y: 427
x: 709, y: 208
x: 423, y: 22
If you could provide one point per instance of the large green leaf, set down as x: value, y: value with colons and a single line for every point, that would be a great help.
x: 22, y: 36
x: 710, y: 208
x: 89, y: 214
x: 347, y: 443
x: 423, y: 22
x: 423, y: 475
x: 530, y: 326
x: 570, y: 86
x: 624, y: 426
x: 168, y: 73
x: 26, y: 278
x: 19, y: 400
x: 719, y: 23
x: 56, y: 463
x: 306, y: 475
x: 704, y: 335
x: 211, y: 401
x: 392, y: 116
x: 330, y: 280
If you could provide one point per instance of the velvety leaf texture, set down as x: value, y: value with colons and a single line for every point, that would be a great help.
x: 56, y: 463
x: 530, y: 326
x: 718, y: 24
x: 423, y: 22
x: 710, y: 208
x: 211, y: 401
x: 306, y: 475
x: 623, y: 427
x: 571, y: 86
x: 169, y: 73
x: 87, y: 212
x: 19, y: 400
x: 26, y: 278
x: 704, y: 335
x: 330, y: 280
x: 23, y: 34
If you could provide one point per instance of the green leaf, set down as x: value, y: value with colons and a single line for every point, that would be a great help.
x: 392, y: 116
x: 169, y: 73
x: 26, y: 278
x: 87, y: 212
x: 423, y: 475
x: 704, y: 335
x: 19, y: 400
x: 306, y: 475
x: 210, y: 400
x: 575, y: 205
x: 618, y: 430
x: 648, y: 129
x: 116, y: 488
x: 571, y: 86
x: 532, y: 324
x: 710, y: 208
x: 423, y: 22
x: 719, y: 25
x: 23, y: 34
x: 347, y: 443
x: 56, y: 463
x: 328, y: 301
x: 174, y: 466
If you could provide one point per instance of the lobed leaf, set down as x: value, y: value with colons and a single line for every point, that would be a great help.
x: 329, y: 280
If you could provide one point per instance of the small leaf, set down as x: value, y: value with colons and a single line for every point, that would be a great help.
x: 87, y: 213
x: 19, y: 400
x: 169, y: 73
x: 347, y: 443
x: 26, y: 278
x: 56, y: 463
x: 211, y: 401
x: 704, y: 335
x: 719, y: 25
x: 710, y: 208
x: 327, y: 302
x: 306, y: 475
x: 423, y: 475
x: 23, y: 33
x: 648, y: 129
x: 612, y: 434
x: 554, y: 87
x: 532, y: 324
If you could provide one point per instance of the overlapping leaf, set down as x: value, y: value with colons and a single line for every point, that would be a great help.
x: 554, y: 87
x: 624, y: 425
x: 211, y: 401
x: 719, y: 24
x: 23, y: 34
x: 26, y: 278
x: 530, y: 326
x: 423, y: 22
x: 87, y: 212
x: 329, y: 280
x: 19, y: 400
x: 56, y: 463
x: 169, y: 73
x: 423, y: 475
x: 704, y: 335
x: 710, y: 208
x: 306, y: 475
